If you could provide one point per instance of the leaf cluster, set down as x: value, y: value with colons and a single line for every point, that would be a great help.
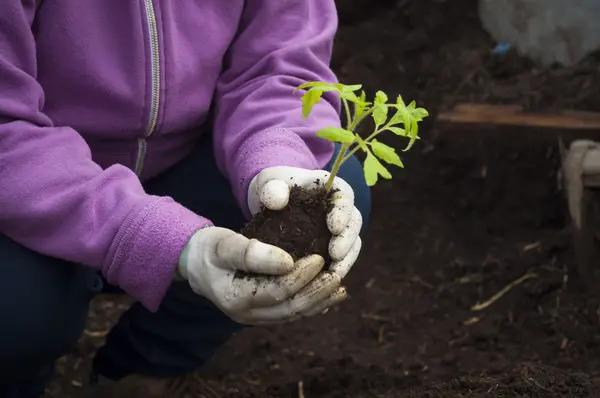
x: 396, y: 117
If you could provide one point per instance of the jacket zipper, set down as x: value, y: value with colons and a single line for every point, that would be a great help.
x: 155, y: 74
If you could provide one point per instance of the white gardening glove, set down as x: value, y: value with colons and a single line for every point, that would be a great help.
x: 273, y: 288
x: 271, y: 189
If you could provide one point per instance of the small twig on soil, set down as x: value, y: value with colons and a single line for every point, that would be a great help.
x: 300, y: 389
x: 255, y: 382
x: 492, y: 388
x: 416, y: 279
x: 380, y: 335
x: 502, y: 292
x: 536, y: 383
x: 532, y: 246
x: 375, y: 317
x: 98, y: 333
x: 472, y: 321
x: 471, y: 278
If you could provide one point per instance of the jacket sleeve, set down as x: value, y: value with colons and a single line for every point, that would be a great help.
x: 57, y: 201
x: 258, y: 122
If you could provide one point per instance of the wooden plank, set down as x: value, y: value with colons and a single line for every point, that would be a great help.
x: 514, y: 115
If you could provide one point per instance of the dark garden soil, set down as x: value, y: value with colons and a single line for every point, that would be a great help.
x: 464, y: 285
x: 300, y: 228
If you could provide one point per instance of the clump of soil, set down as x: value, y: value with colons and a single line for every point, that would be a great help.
x: 527, y: 380
x: 300, y: 228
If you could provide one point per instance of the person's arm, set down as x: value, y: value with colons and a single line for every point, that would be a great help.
x: 57, y: 201
x: 258, y: 123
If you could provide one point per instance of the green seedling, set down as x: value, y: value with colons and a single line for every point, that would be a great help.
x: 403, y: 122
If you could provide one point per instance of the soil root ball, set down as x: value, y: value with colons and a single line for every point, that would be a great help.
x: 300, y: 228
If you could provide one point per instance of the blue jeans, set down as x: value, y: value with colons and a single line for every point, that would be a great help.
x: 44, y: 302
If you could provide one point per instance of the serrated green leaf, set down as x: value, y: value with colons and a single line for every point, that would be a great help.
x: 385, y: 153
x: 309, y: 100
x: 329, y: 86
x: 361, y: 105
x: 351, y: 88
x: 397, y: 130
x: 373, y: 169
x: 363, y: 97
x: 400, y: 102
x: 413, y: 134
x: 336, y: 134
x: 350, y: 96
x: 406, y: 120
x: 380, y: 108
x: 396, y: 118
x: 348, y: 93
x: 410, y: 144
x: 313, y: 96
x: 380, y: 114
x: 419, y: 114
x: 380, y: 97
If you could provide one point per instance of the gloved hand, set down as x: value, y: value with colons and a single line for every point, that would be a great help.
x: 271, y: 188
x: 273, y: 290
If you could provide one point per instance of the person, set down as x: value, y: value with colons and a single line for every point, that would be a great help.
x: 136, y: 138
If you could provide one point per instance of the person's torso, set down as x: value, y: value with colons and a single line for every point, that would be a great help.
x: 134, y: 77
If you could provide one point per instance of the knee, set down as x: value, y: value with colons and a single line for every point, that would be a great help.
x: 39, y: 327
x: 351, y: 171
x: 43, y: 308
x: 362, y: 195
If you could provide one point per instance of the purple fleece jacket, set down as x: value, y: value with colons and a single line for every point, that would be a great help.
x: 98, y: 95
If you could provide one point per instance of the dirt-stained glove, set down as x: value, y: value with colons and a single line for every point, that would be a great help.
x: 255, y: 283
x: 271, y: 188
